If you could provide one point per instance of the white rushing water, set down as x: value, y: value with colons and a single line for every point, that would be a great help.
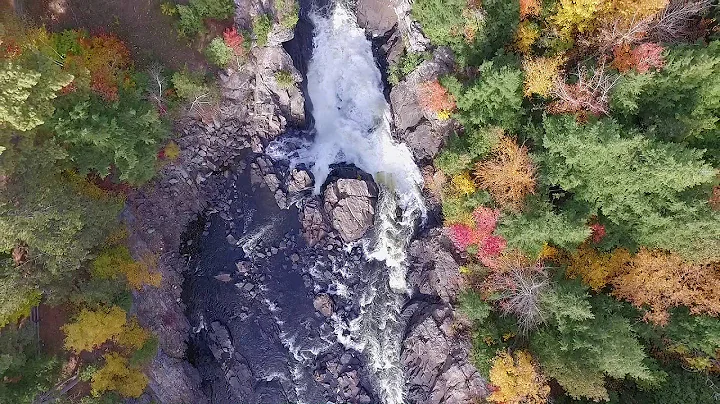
x: 352, y: 123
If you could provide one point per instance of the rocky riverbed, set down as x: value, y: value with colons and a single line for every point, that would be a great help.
x: 263, y: 280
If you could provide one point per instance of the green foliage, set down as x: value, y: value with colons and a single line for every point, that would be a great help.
x: 24, y: 372
x: 189, y: 86
x: 190, y: 22
x: 193, y: 14
x: 99, y: 135
x: 473, y: 306
x: 461, y: 151
x: 288, y: 12
x: 95, y: 293
x: 218, y: 53
x: 473, y: 34
x: 17, y: 297
x: 145, y: 354
x: 538, y: 225
x: 261, y: 27
x: 27, y: 89
x: 459, y: 208
x: 658, y: 190
x: 284, y: 79
x: 40, y: 209
x: 168, y: 8
x: 408, y: 62
x: 495, y: 98
x: 679, y: 103
x: 584, y: 343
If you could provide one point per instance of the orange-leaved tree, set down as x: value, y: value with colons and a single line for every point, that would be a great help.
x: 434, y: 97
x: 660, y: 280
x: 509, y: 175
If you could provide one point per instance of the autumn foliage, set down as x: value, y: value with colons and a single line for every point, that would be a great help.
x: 659, y: 281
x: 541, y: 73
x: 480, y: 235
x: 641, y: 58
x: 509, y: 176
x: 117, y: 375
x: 434, y: 97
x: 529, y: 8
x: 234, y: 40
x: 517, y: 380
x: 93, y: 328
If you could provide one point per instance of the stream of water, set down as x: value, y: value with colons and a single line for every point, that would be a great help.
x: 352, y: 124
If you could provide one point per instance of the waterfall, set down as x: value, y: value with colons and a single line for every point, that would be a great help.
x: 352, y: 125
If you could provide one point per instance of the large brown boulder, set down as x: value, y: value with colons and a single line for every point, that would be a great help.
x: 350, y: 205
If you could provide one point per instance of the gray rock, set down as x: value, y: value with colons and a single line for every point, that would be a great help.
x: 410, y: 29
x: 299, y: 180
x: 324, y: 304
x: 350, y: 204
x: 406, y: 109
x: 377, y: 17
x: 423, y: 141
x: 314, y: 226
x: 223, y: 277
x: 433, y: 270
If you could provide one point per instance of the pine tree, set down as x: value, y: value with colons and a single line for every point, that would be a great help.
x: 656, y: 190
x: 583, y: 343
x: 28, y: 87
x: 679, y: 103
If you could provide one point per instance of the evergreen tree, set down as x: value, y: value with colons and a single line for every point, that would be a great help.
x: 679, y: 103
x: 28, y: 86
x: 654, y: 191
x: 583, y: 343
x: 100, y: 135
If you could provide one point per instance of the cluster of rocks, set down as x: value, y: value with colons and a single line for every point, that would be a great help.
x: 435, y: 353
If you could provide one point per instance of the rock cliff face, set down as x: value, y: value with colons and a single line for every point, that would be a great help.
x: 435, y: 350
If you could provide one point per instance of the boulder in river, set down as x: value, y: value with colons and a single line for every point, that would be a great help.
x: 350, y: 205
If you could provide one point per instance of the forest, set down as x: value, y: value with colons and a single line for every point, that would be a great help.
x: 580, y: 188
x: 582, y: 191
x: 82, y: 125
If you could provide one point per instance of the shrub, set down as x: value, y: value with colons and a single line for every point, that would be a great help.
x: 217, y: 9
x: 261, y: 27
x: 408, y: 62
x: 188, y: 86
x: 218, y: 53
x: 118, y: 375
x: 234, y: 40
x: 284, y: 79
x: 434, y: 97
x: 288, y: 13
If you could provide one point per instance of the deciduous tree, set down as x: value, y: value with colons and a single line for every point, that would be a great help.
x: 517, y: 380
x: 117, y: 375
x: 93, y: 328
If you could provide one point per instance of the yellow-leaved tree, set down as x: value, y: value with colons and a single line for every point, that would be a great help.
x: 93, y: 328
x: 517, y: 380
x: 117, y: 375
x: 540, y: 74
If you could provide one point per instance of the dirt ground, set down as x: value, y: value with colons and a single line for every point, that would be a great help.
x: 150, y: 35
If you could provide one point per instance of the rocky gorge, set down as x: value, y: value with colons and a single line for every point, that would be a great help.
x: 267, y: 283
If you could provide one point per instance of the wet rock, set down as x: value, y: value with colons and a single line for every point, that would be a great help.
x: 314, y: 227
x: 223, y: 277
x: 243, y: 267
x: 376, y: 16
x: 350, y: 205
x: 299, y: 180
x: 324, y: 304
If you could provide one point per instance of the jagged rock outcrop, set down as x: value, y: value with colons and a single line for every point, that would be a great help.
x: 436, y: 352
x: 410, y: 29
x: 312, y: 220
x: 350, y: 205
x: 420, y: 129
